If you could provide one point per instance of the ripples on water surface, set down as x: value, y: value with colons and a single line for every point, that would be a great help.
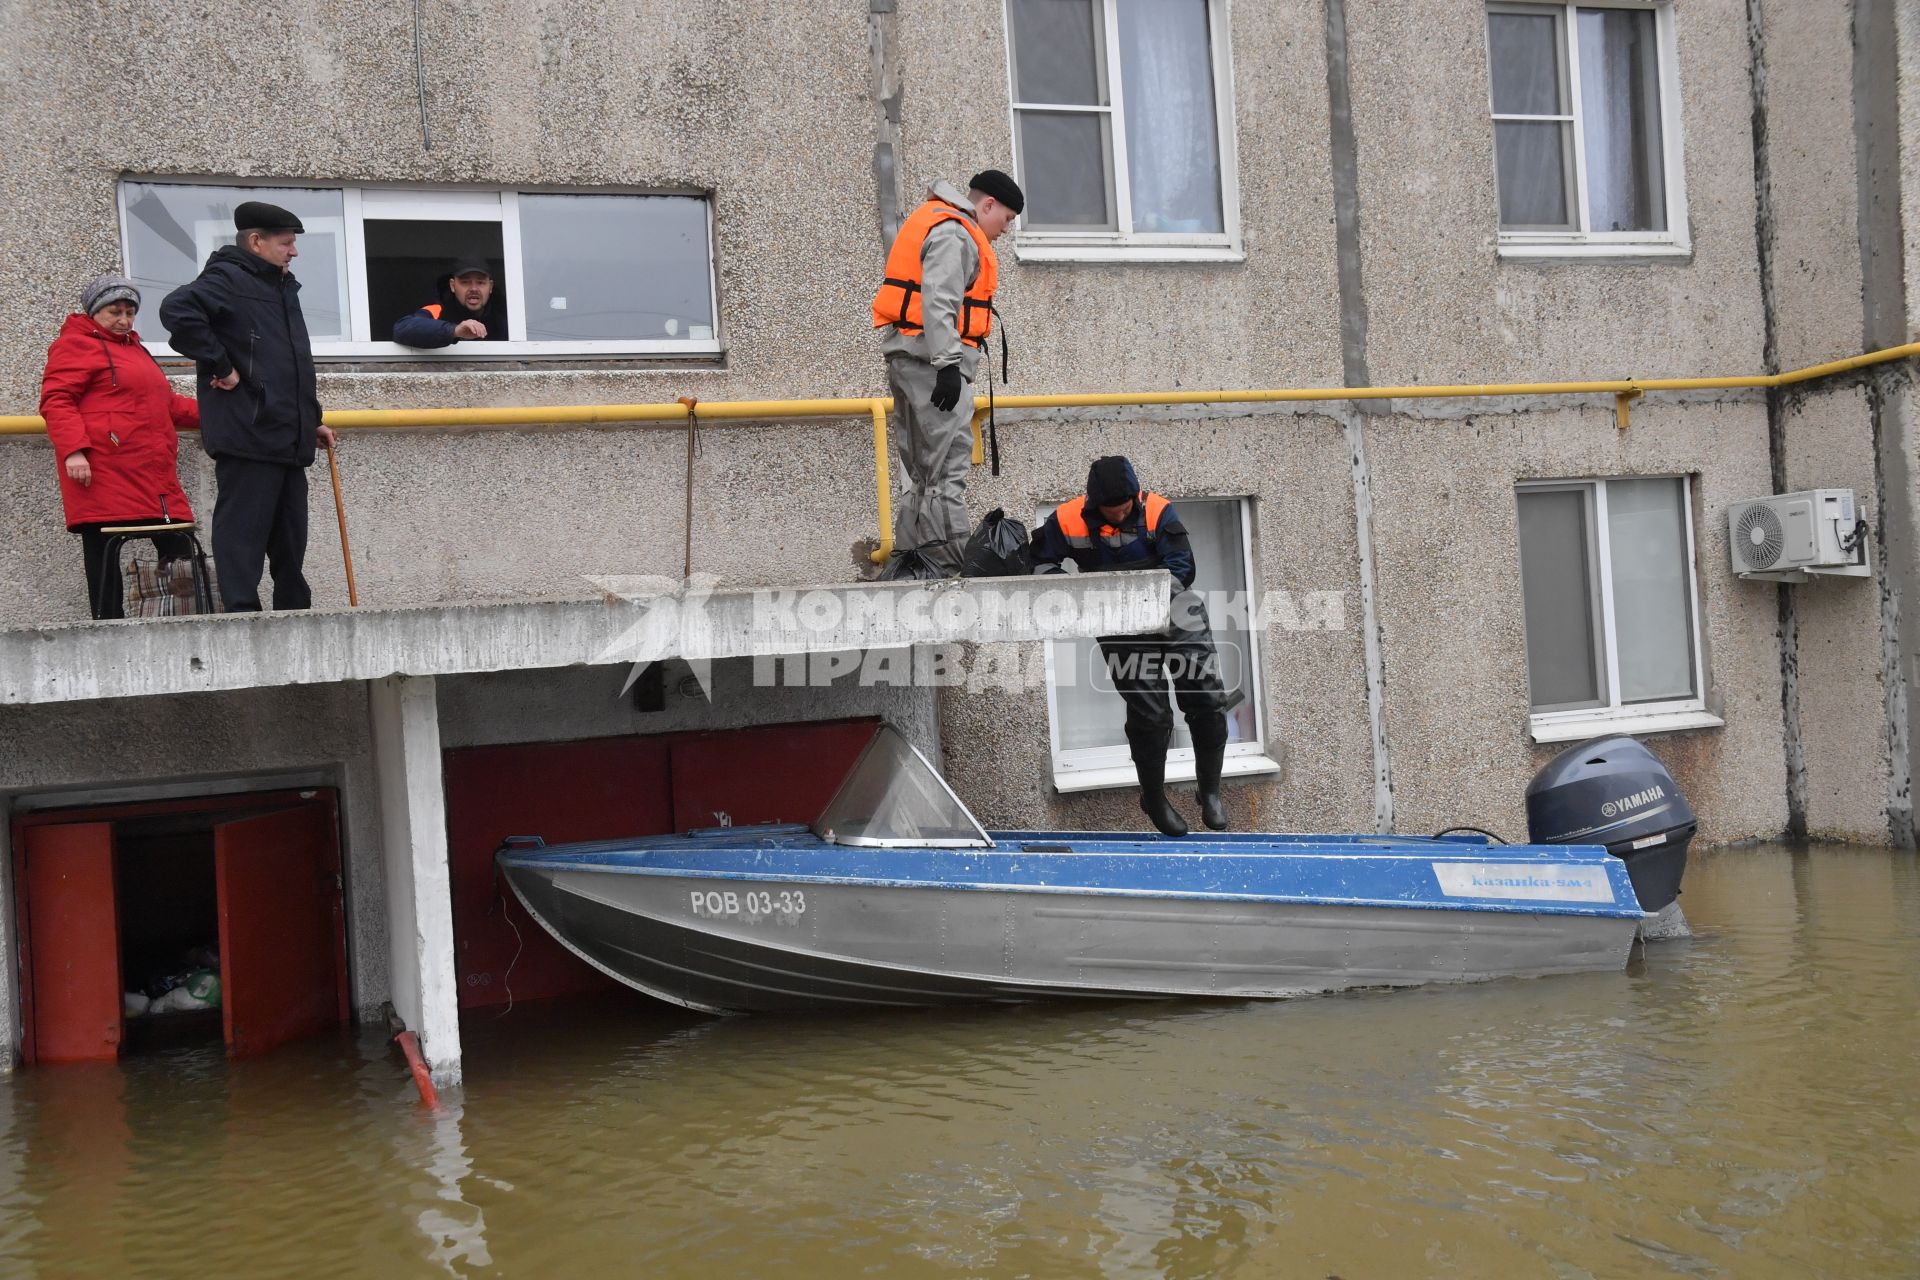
x: 1738, y: 1105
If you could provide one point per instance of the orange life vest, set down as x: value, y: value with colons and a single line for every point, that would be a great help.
x: 1072, y: 515
x: 898, y: 300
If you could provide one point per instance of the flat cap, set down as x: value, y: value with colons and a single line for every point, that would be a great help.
x: 258, y: 215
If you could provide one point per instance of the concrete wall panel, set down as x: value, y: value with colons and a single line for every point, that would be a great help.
x: 1442, y: 307
x: 1452, y: 612
x: 1842, y: 689
x: 772, y: 113
x: 1813, y: 213
x: 724, y: 96
x: 1271, y: 320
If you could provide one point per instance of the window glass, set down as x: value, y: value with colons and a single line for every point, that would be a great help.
x: 172, y: 228
x: 1620, y: 121
x: 1056, y: 52
x: 1524, y: 58
x: 1090, y: 715
x: 601, y: 267
x: 625, y: 273
x: 1535, y: 165
x: 1560, y: 599
x: 1065, y: 159
x: 1606, y: 574
x: 1173, y: 139
x: 1653, y: 624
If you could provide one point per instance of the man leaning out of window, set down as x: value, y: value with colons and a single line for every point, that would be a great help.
x: 468, y: 310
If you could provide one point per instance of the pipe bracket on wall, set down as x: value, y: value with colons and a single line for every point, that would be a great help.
x: 1622, y: 399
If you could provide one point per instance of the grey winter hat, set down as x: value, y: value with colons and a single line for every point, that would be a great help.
x: 102, y: 290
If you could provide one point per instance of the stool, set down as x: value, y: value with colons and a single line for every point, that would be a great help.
x: 117, y: 535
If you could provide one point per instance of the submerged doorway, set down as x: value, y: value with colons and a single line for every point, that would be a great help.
x: 146, y: 926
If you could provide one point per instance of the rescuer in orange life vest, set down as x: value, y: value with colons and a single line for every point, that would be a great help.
x: 468, y: 310
x: 1119, y: 525
x: 936, y: 305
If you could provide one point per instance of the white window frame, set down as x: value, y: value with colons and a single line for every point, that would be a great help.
x: 449, y: 204
x: 1670, y: 715
x: 1111, y: 767
x: 1125, y: 244
x: 1581, y: 242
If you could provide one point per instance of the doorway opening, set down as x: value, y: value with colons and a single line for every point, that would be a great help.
x: 170, y: 944
x: 211, y: 920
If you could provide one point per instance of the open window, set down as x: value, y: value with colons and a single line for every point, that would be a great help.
x: 409, y: 244
x: 1087, y: 719
x: 578, y: 273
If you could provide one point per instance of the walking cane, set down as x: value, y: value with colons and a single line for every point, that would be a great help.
x: 340, y: 509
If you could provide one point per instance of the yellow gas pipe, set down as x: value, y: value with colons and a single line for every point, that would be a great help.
x: 1625, y: 390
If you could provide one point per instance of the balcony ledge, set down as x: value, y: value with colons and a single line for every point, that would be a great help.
x: 634, y: 620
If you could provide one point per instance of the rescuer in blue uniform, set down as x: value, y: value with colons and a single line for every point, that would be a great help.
x: 1118, y: 525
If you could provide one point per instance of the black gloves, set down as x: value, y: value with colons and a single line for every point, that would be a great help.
x: 946, y: 388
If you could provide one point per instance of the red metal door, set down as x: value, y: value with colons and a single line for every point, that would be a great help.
x: 597, y: 789
x: 282, y: 947
x: 71, y: 944
x: 781, y: 773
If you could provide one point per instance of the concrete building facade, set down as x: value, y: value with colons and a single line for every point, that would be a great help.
x: 1374, y: 203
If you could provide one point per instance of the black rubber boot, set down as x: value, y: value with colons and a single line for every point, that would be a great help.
x: 1209, y: 751
x: 1150, y: 762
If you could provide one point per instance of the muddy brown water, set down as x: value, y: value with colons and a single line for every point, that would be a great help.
x: 1741, y: 1105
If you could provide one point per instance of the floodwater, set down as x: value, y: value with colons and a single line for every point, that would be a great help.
x: 1738, y: 1105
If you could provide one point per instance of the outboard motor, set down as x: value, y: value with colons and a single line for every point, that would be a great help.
x: 1615, y: 792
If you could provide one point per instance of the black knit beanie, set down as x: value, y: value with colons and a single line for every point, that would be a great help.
x: 992, y: 182
x: 1111, y: 481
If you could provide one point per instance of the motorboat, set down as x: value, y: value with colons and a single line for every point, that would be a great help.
x: 896, y: 896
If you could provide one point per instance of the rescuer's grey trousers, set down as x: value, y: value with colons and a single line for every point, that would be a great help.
x: 932, y: 451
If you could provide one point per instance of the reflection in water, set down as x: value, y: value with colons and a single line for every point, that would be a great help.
x: 456, y: 1229
x: 1737, y: 1105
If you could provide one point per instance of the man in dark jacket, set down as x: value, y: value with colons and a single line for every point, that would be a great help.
x: 469, y: 310
x: 1118, y: 525
x: 240, y: 322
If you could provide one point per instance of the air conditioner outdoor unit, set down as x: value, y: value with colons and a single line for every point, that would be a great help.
x: 1793, y: 536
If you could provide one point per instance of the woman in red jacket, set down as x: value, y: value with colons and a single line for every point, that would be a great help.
x: 113, y: 419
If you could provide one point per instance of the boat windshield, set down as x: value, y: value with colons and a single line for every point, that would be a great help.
x: 893, y: 797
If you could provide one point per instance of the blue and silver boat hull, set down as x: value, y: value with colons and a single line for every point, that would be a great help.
x: 780, y: 921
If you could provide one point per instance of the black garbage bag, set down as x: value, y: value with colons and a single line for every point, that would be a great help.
x: 997, y: 549
x: 912, y: 566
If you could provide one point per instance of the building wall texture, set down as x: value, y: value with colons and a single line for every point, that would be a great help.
x: 769, y: 108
